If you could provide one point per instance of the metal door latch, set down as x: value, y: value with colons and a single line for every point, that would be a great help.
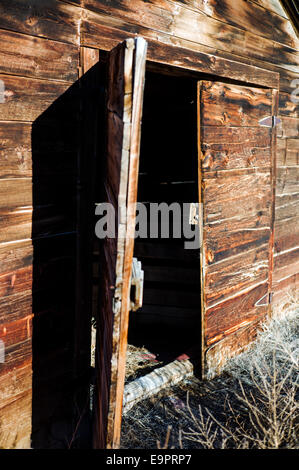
x: 137, y: 281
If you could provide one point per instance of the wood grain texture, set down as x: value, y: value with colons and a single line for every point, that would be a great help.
x: 15, y: 192
x: 272, y: 5
x: 15, y: 427
x: 30, y: 56
x: 250, y: 16
x: 15, y: 150
x: 230, y: 345
x: 237, y: 216
x: 234, y: 147
x: 196, y: 27
x: 25, y: 99
x: 104, y: 32
x: 244, y: 107
x: 49, y: 19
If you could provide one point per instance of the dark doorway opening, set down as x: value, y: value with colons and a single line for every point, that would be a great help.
x: 168, y: 324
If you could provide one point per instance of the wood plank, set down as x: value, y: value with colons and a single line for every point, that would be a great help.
x: 225, y: 279
x: 15, y: 224
x: 229, y: 316
x: 284, y: 292
x: 286, y: 106
x: 16, y: 281
x: 292, y: 152
x: 235, y: 147
x: 126, y: 76
x: 97, y: 32
x: 15, y: 332
x: 22, y: 223
x: 237, y: 222
x: 15, y: 307
x: 287, y: 233
x: 286, y: 80
x: 286, y: 207
x: 243, y: 107
x: 16, y: 423
x: 15, y: 192
x: 228, y: 238
x: 15, y: 150
x: 196, y: 27
x: 48, y: 19
x: 287, y: 180
x: 249, y: 16
x: 30, y: 56
x: 27, y: 98
x: 105, y: 32
x: 231, y: 345
x: 281, y: 152
x: 272, y: 5
x: 229, y: 197
x: 17, y: 356
x: 15, y: 383
x: 288, y: 127
x: 15, y: 256
x: 286, y: 264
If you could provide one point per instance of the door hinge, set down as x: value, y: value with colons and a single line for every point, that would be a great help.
x: 269, y: 121
x: 265, y: 300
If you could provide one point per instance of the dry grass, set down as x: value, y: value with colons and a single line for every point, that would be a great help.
x: 253, y: 404
x: 140, y: 361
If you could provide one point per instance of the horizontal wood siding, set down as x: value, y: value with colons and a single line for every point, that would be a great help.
x: 237, y: 216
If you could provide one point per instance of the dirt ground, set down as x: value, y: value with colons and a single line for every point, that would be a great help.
x: 253, y: 404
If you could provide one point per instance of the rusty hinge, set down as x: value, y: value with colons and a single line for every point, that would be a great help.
x: 269, y: 121
x: 265, y: 300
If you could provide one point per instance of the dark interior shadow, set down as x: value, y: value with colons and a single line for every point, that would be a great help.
x: 66, y: 143
x: 169, y: 322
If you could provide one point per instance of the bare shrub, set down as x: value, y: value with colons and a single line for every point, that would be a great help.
x: 265, y: 410
x: 253, y: 404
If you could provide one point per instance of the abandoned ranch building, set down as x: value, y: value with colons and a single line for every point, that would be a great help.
x: 215, y: 85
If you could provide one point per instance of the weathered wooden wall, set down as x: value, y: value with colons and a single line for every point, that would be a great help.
x: 41, y: 166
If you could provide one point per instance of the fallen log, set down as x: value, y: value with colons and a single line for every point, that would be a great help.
x: 152, y: 383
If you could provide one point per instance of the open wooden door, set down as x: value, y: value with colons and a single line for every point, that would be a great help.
x: 237, y: 174
x: 126, y: 75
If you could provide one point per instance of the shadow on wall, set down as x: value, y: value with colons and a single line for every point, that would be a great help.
x: 66, y: 142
